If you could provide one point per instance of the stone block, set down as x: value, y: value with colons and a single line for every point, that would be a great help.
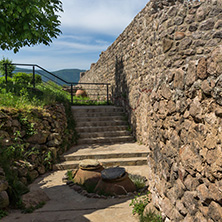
x: 215, y: 211
x: 4, y: 199
x: 190, y: 202
x: 33, y: 198
x: 167, y: 45
x: 202, y: 68
x: 191, y: 183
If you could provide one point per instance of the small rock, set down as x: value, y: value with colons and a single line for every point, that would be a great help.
x: 167, y: 45
x: 4, y: 199
x: 202, y: 68
x: 179, y: 35
x: 33, y: 198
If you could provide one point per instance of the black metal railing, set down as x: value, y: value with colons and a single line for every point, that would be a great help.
x: 95, y: 91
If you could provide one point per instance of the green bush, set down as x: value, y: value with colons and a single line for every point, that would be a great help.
x: 25, y: 78
x: 10, y: 67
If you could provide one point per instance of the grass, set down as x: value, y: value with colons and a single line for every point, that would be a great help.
x: 23, y: 96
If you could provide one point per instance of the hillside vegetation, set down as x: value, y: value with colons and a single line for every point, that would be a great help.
x: 69, y: 75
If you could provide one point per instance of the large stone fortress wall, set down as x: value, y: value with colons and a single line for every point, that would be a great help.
x: 166, y: 70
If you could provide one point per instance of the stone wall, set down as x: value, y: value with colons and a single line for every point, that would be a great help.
x: 4, y: 199
x: 165, y: 69
x: 32, y: 140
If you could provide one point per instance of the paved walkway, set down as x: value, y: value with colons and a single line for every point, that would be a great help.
x: 66, y: 205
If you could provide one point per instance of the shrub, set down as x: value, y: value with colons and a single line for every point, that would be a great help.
x: 25, y: 78
x: 10, y: 67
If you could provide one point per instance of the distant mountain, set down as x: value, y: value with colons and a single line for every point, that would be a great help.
x: 69, y: 75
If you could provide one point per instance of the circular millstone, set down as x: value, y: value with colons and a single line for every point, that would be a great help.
x: 113, y: 173
x: 89, y: 164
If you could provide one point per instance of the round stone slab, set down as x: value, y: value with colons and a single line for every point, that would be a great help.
x: 113, y: 173
x: 89, y: 164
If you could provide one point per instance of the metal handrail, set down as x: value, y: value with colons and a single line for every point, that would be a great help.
x: 34, y: 71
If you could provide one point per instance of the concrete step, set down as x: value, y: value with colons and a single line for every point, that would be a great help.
x: 100, y: 129
x: 101, y: 123
x: 104, y: 134
x: 106, y: 140
x: 103, y: 155
x: 99, y: 118
x: 134, y: 161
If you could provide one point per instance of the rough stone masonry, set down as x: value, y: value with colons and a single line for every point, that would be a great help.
x: 165, y: 69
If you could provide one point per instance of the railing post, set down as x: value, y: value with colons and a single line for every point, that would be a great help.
x: 72, y: 93
x: 107, y: 91
x: 33, y: 76
x: 6, y: 73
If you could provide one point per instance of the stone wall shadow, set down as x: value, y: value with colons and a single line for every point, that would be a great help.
x: 121, y: 92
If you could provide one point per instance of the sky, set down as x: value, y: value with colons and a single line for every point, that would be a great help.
x: 88, y: 28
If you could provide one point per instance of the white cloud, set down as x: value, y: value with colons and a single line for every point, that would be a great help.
x: 101, y: 16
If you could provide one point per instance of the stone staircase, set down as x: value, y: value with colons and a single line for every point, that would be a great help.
x: 103, y: 136
x: 101, y: 124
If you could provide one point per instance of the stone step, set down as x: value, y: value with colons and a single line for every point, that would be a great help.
x: 101, y: 129
x: 107, y: 140
x: 98, y: 114
x: 82, y: 110
x: 133, y: 161
x: 101, y: 123
x: 103, y: 155
x: 104, y: 134
x: 99, y: 118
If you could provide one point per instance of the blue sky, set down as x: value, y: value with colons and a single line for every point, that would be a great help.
x: 88, y: 26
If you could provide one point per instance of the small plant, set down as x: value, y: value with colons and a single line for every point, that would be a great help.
x: 48, y: 159
x: 3, y: 213
x: 139, y: 181
x: 69, y: 175
x: 139, y: 203
x: 151, y: 216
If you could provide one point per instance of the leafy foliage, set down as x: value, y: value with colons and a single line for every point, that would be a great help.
x: 139, y: 203
x: 26, y: 78
x: 28, y: 22
x: 10, y: 67
x: 151, y: 216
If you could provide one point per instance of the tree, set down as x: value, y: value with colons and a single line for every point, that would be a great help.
x: 10, y: 67
x: 28, y: 22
